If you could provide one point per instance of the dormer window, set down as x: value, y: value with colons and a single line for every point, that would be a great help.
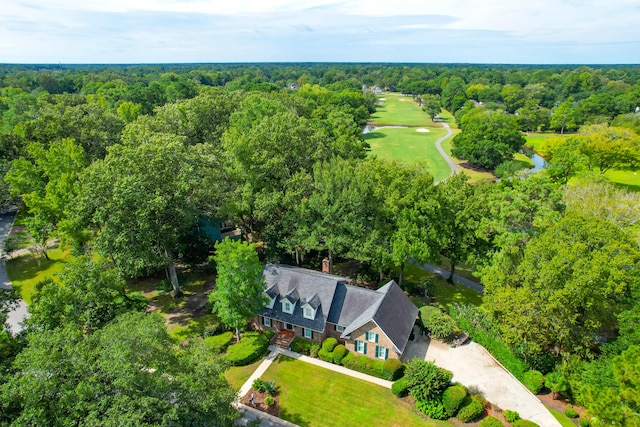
x: 287, y: 306
x: 308, y: 312
x: 270, y: 302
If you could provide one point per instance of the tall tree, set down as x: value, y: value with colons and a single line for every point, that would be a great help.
x: 142, y: 198
x: 610, y: 147
x: 239, y: 283
x: 431, y: 105
x: 564, y: 117
x: 127, y: 373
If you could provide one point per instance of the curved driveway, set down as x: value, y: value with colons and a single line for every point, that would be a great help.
x: 473, y: 366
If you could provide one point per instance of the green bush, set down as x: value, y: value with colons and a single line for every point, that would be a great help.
x: 392, y: 369
x: 314, y: 349
x: 475, y: 323
x: 584, y: 422
x: 269, y: 334
x: 329, y: 344
x: 432, y: 409
x: 269, y: 401
x: 470, y: 410
x: 364, y: 364
x: 339, y: 353
x: 218, y: 342
x: 400, y: 388
x: 211, y: 330
x: 426, y: 380
x: 524, y: 423
x: 302, y: 346
x: 452, y: 398
x: 252, y: 346
x: 258, y: 384
x: 511, y: 416
x: 534, y: 381
x: 571, y: 413
x: 490, y: 422
x: 439, y: 324
x: 327, y: 356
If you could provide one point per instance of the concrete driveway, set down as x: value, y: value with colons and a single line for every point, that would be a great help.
x: 474, y: 367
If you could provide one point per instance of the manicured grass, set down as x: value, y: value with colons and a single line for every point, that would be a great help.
x: 445, y: 293
x: 626, y: 179
x: 562, y: 418
x: 314, y: 396
x: 408, y: 145
x: 402, y: 111
x: 447, y: 117
x: 537, y: 141
x: 27, y: 270
x: 526, y: 162
x: 238, y: 375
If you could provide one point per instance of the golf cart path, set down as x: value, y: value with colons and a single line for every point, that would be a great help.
x: 449, y: 160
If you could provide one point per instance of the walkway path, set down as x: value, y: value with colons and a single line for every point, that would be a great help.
x: 473, y: 366
x: 449, y: 160
x: 444, y: 273
x: 19, y: 313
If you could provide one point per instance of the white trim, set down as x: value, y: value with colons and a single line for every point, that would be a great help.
x: 286, y: 302
x: 381, y: 330
x: 339, y: 328
x: 271, y: 301
x: 266, y: 321
x: 310, y: 335
x: 310, y: 309
x: 363, y: 344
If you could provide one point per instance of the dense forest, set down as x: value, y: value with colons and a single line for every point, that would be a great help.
x: 122, y: 162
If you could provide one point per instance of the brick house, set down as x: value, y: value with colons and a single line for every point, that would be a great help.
x: 314, y: 305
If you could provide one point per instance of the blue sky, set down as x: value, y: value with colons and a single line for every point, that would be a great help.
x: 475, y: 31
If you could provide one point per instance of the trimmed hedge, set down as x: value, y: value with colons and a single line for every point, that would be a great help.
x: 534, y: 381
x: 300, y: 345
x: 471, y: 410
x: 452, y: 398
x: 490, y: 422
x: 524, y: 423
x: 511, y: 416
x: 400, y: 388
x: 218, y: 342
x: 339, y: 353
x: 327, y: 356
x: 392, y: 369
x: 252, y: 346
x: 364, y: 364
x: 571, y: 413
x: 584, y: 422
x: 433, y: 409
x: 329, y: 344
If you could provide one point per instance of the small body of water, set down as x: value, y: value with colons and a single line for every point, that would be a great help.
x: 371, y: 128
x: 539, y: 163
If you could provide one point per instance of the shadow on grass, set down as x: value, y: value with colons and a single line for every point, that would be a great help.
x: 630, y: 187
x: 27, y: 267
x: 293, y: 417
x: 374, y: 135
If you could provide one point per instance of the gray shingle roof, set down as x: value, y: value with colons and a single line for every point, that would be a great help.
x: 339, y: 303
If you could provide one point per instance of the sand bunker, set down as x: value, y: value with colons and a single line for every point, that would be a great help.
x: 382, y: 99
x: 401, y: 99
x: 422, y: 130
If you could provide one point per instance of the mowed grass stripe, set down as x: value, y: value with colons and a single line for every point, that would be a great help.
x: 314, y: 396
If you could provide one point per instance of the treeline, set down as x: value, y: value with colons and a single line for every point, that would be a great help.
x: 110, y: 175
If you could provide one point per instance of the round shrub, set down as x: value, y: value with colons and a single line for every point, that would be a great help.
x: 327, y: 356
x: 329, y: 344
x: 392, y: 369
x: 439, y: 324
x: 571, y: 413
x: 339, y: 353
x: 400, y: 388
x: 269, y: 401
x: 452, y: 398
x: 251, y: 347
x: 490, y: 422
x: 348, y: 359
x: 584, y: 422
x: 218, y: 342
x: 511, y: 416
x: 524, y: 423
x: 534, y: 381
x: 432, y: 409
x: 471, y: 411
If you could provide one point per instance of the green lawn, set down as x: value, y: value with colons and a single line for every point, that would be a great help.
x: 626, y: 179
x: 238, y: 375
x: 562, y: 418
x: 27, y: 270
x: 445, y: 293
x: 314, y: 396
x: 402, y: 111
x: 538, y: 140
x: 408, y: 145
